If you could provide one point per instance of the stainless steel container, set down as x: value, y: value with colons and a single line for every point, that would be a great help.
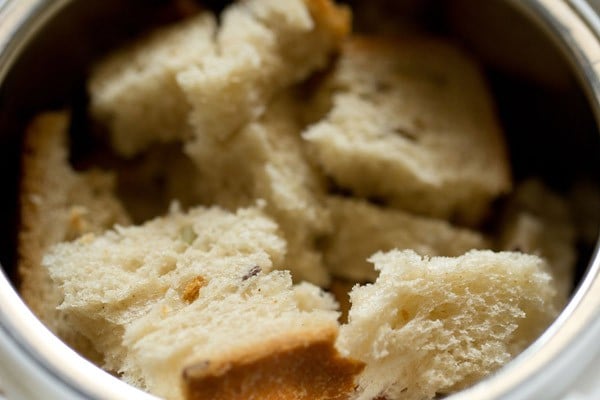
x: 45, y: 46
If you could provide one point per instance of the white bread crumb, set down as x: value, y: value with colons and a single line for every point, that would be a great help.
x: 412, y: 123
x: 431, y: 326
x: 263, y: 46
x: 134, y: 90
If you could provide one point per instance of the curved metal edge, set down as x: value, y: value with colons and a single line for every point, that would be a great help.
x: 550, y: 366
x: 20, y: 21
x: 58, y: 370
x: 53, y: 369
x: 522, y: 379
x: 588, y: 14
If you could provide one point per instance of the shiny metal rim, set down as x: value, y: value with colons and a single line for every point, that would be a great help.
x: 540, y: 372
x: 60, y: 370
x: 551, y: 364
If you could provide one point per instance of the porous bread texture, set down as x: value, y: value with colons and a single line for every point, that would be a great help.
x: 538, y: 221
x: 57, y: 204
x: 411, y: 123
x: 311, y: 368
x: 216, y: 77
x: 185, y: 290
x: 361, y: 229
x: 231, y: 324
x: 435, y: 325
x: 134, y: 91
x: 112, y: 279
x: 263, y: 46
x: 266, y: 160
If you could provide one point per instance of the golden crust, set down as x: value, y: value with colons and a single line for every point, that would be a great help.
x: 301, y: 365
x: 44, y: 134
x: 335, y: 18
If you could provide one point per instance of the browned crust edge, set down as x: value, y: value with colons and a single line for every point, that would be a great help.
x: 334, y: 18
x: 44, y: 134
x: 299, y: 365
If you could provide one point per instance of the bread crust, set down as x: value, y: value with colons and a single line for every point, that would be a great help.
x: 57, y: 204
x: 301, y: 365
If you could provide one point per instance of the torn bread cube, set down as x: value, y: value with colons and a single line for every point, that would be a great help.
x: 412, y: 123
x: 435, y: 325
x: 244, y: 339
x: 538, y: 221
x: 361, y: 229
x: 112, y: 279
x: 263, y: 46
x: 57, y: 204
x: 265, y: 160
x: 135, y: 93
x: 168, y: 301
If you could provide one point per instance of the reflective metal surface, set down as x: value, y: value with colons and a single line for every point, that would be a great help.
x: 40, y: 363
x: 548, y: 368
x: 41, y: 366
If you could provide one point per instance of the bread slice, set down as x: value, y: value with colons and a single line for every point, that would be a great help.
x: 435, y: 325
x: 361, y: 229
x: 57, y: 204
x: 263, y: 46
x: 265, y: 160
x: 225, y: 75
x: 134, y: 91
x: 168, y: 301
x: 412, y: 123
x: 538, y: 221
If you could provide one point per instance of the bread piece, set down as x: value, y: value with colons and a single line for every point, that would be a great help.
x: 437, y: 325
x: 187, y: 292
x: 263, y: 46
x: 538, y: 221
x: 57, y: 204
x: 112, y: 279
x: 412, y: 123
x: 135, y: 93
x: 362, y: 229
x: 265, y: 160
